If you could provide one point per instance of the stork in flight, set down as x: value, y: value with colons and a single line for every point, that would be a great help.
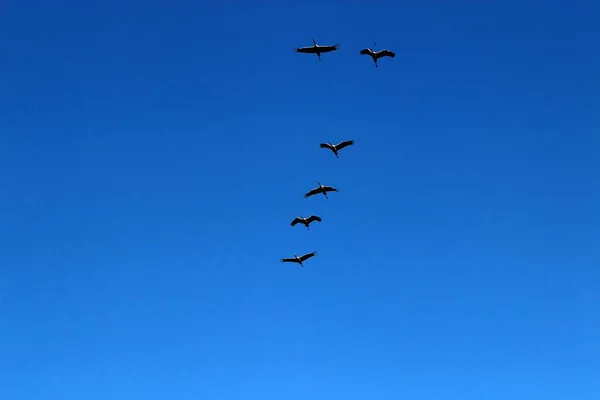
x: 336, y: 147
x: 300, y: 259
x: 306, y: 221
x: 316, y: 49
x: 321, y: 189
x: 376, y: 55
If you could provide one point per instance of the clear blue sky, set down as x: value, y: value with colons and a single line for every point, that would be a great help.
x: 152, y: 157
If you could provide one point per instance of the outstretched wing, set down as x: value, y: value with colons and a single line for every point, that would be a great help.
x: 295, y: 221
x: 312, y: 192
x: 283, y: 260
x: 366, y: 52
x: 387, y: 53
x: 313, y: 218
x: 329, y: 189
x: 326, y: 146
x: 309, y: 49
x: 341, y: 145
x: 307, y: 256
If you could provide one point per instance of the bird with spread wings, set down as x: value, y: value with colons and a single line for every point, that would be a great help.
x: 305, y: 221
x: 321, y: 189
x: 376, y: 55
x: 336, y: 147
x: 317, y: 49
x: 299, y: 260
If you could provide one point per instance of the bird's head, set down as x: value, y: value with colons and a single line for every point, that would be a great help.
x: 319, y: 183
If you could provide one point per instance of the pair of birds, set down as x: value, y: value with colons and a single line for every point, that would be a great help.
x: 335, y: 148
x: 318, y: 50
x: 322, y: 189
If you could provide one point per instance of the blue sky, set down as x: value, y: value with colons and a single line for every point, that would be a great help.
x: 152, y: 157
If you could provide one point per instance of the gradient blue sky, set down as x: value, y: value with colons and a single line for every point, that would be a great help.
x: 152, y: 155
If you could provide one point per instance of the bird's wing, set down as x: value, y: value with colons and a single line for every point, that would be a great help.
x: 366, y: 52
x: 305, y: 49
x: 343, y: 144
x: 288, y: 260
x: 295, y: 221
x: 314, y: 191
x: 329, y: 189
x: 387, y: 52
x: 307, y: 256
x: 325, y: 146
x: 313, y: 218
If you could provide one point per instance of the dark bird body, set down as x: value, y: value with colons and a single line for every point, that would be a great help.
x: 316, y: 49
x: 376, y: 55
x: 336, y: 147
x: 321, y: 189
x: 306, y: 221
x: 299, y: 260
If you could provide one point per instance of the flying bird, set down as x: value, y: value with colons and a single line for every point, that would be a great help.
x: 300, y: 259
x: 321, y: 189
x: 306, y: 221
x: 376, y: 55
x: 336, y: 147
x: 316, y: 49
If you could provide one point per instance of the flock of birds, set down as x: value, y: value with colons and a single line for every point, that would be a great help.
x: 318, y: 50
x: 321, y: 189
x: 335, y: 148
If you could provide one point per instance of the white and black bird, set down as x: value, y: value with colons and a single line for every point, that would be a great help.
x: 376, y: 55
x: 336, y: 147
x: 321, y: 189
x: 306, y: 221
x: 316, y: 49
x: 299, y: 260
